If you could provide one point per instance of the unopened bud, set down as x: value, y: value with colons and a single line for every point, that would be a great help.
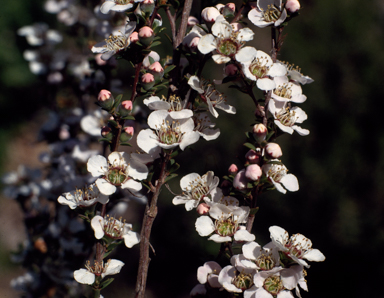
x: 157, y: 70
x: 125, y: 108
x: 155, y: 56
x: 210, y: 14
x: 194, y: 42
x: 253, y: 172
x: 148, y: 81
x: 105, y: 99
x: 259, y: 132
x: 202, y: 209
x: 106, y: 133
x: 273, y: 150
x: 146, y: 35
x: 40, y: 245
x: 231, y: 70
x: 192, y: 21
x: 127, y: 134
x: 233, y: 169
x: 134, y: 37
x: 253, y: 157
x: 292, y: 5
x: 240, y: 181
x: 147, y: 6
x: 229, y: 10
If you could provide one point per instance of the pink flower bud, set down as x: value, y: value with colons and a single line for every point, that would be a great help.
x: 129, y: 130
x: 202, y: 209
x: 292, y: 5
x: 192, y: 21
x: 231, y: 6
x: 155, y: 56
x: 127, y: 105
x: 259, y: 132
x: 157, y: 70
x: 240, y: 181
x: 134, y: 37
x: 231, y: 70
x: 253, y: 157
x: 273, y: 150
x: 148, y: 80
x: 105, y: 131
x: 104, y: 95
x: 253, y: 172
x: 233, y: 169
x: 145, y: 32
x: 209, y: 14
x: 147, y: 6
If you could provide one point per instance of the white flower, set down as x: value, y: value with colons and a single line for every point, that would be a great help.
x: 277, y: 282
x: 286, y: 117
x: 114, y: 43
x: 209, y: 273
x: 224, y: 40
x: 85, y: 197
x: 211, y: 96
x: 267, y: 12
x: 227, y: 223
x: 294, y: 74
x: 115, y: 229
x: 260, y: 258
x: 88, y: 276
x: 93, y: 122
x: 286, y: 91
x: 195, y: 34
x: 118, y: 170
x: 297, y: 247
x: 166, y: 133
x: 237, y: 278
x: 205, y: 127
x: 174, y: 105
x: 195, y: 188
x: 277, y: 174
x: 258, y: 66
x: 117, y: 5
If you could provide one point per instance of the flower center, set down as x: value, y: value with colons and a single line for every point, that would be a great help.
x: 116, y: 42
x: 174, y: 101
x: 199, y: 189
x: 226, y: 227
x: 116, y: 176
x: 276, y: 172
x: 286, y: 117
x: 243, y: 281
x: 123, y: 2
x: 114, y: 228
x: 228, y: 47
x: 97, y: 268
x: 273, y: 285
x: 85, y: 194
x: 210, y: 93
x: 298, y: 248
x: 265, y: 262
x: 259, y: 68
x: 284, y: 90
x: 170, y: 133
x: 272, y: 14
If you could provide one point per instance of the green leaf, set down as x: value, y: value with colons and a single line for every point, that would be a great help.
x: 174, y: 168
x: 126, y: 144
x: 170, y: 177
x: 113, y: 123
x: 250, y: 146
x: 154, y: 44
x: 151, y: 60
x: 104, y: 140
x: 129, y: 117
x: 169, y: 68
x: 106, y: 283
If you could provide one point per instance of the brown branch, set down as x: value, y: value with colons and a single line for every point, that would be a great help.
x: 183, y: 24
x: 149, y: 217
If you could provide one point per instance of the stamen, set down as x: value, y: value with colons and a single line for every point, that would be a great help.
x: 272, y: 14
x: 286, y: 117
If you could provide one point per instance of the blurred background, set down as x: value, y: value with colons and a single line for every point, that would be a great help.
x: 340, y: 165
